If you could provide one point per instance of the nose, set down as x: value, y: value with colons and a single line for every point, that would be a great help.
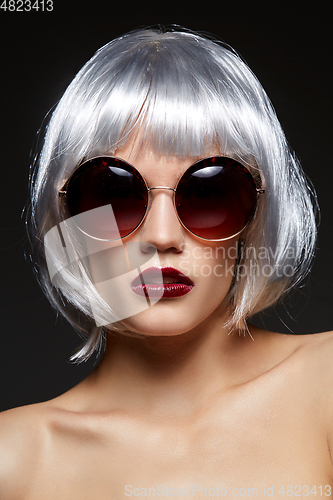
x: 161, y: 228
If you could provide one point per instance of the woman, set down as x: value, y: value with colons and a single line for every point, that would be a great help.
x: 166, y: 210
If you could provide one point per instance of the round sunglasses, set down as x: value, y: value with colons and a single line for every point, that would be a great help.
x: 215, y: 198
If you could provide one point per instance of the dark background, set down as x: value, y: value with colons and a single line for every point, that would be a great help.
x: 290, y: 52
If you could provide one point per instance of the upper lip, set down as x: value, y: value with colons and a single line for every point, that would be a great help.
x: 152, y: 273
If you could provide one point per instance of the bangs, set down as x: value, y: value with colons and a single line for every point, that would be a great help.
x: 156, y: 93
x: 171, y: 115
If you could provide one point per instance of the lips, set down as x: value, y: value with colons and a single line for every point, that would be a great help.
x: 165, y: 282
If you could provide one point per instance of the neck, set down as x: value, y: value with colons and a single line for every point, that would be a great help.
x: 168, y: 375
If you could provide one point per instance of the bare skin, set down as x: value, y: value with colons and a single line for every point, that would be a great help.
x: 267, y: 424
x: 189, y: 407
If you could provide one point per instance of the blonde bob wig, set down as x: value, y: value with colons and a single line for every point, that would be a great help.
x: 186, y: 93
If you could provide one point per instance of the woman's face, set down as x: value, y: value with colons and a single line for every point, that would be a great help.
x: 162, y: 242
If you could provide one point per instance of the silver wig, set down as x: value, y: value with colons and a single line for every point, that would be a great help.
x: 186, y: 93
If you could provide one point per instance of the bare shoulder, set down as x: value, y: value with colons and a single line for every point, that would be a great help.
x: 301, y: 347
x: 319, y: 347
x: 315, y: 351
x: 309, y: 356
x: 320, y: 358
x: 320, y: 362
x: 22, y: 435
x: 30, y: 437
x: 316, y: 358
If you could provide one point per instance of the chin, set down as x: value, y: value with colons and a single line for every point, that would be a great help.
x: 167, y: 318
x: 159, y: 322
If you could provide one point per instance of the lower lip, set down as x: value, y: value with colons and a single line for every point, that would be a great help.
x: 166, y: 291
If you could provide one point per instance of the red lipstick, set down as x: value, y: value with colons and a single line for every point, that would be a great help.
x: 165, y: 282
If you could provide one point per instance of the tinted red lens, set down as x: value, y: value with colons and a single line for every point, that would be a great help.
x: 101, y: 183
x: 216, y: 198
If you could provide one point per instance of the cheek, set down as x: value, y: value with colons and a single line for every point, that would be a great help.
x: 212, y: 266
x: 112, y: 267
